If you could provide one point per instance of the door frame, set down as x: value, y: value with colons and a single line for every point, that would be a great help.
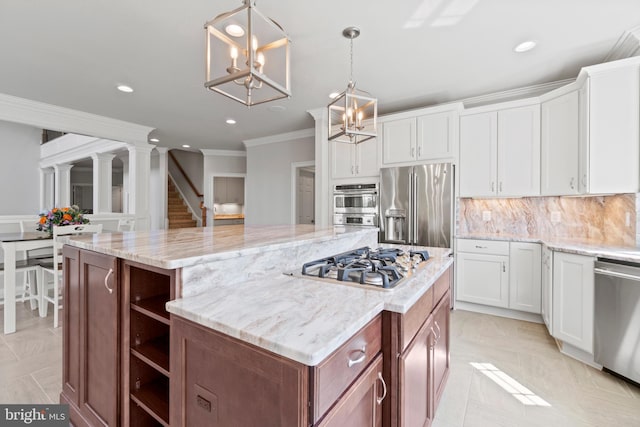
x: 294, y: 186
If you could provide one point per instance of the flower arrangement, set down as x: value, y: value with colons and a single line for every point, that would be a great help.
x: 61, y: 216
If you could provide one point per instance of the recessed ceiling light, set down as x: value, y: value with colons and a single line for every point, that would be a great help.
x: 234, y: 30
x: 154, y: 140
x: 186, y: 146
x: 231, y: 122
x: 333, y: 95
x: 277, y: 108
x: 125, y: 88
x: 525, y: 46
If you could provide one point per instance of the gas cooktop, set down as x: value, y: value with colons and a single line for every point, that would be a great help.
x: 382, y: 268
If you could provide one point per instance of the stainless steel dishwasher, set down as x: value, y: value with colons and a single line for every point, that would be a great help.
x: 617, y: 317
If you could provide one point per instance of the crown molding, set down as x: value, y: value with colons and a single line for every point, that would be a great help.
x: 513, y: 94
x: 47, y: 116
x: 224, y: 153
x: 628, y: 45
x: 289, y: 136
x: 71, y: 148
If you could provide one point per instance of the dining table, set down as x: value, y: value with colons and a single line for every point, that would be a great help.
x: 12, y: 243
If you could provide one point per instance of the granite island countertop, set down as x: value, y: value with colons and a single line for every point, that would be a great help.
x: 233, y: 281
x: 576, y: 246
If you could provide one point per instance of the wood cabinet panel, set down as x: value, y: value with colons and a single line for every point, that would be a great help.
x: 361, y: 406
x: 71, y: 325
x: 220, y: 381
x: 441, y: 347
x: 100, y: 368
x: 333, y: 375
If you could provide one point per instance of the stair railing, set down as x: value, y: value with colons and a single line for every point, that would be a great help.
x: 203, y: 208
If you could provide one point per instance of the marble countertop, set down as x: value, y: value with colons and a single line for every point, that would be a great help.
x: 576, y: 246
x: 299, y: 318
x: 190, y: 246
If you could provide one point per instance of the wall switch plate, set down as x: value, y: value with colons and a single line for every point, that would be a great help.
x: 486, y: 215
x: 555, y: 217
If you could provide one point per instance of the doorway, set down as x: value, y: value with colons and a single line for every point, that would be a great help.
x: 303, y: 194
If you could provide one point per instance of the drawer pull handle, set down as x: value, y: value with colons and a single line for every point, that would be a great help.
x: 384, y: 388
x: 106, y: 278
x: 360, y: 359
x: 481, y: 247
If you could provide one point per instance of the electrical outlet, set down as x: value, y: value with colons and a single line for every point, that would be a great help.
x: 627, y: 219
x: 486, y: 215
x: 555, y: 217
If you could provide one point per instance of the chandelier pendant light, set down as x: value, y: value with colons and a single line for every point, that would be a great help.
x: 247, y: 56
x: 352, y: 114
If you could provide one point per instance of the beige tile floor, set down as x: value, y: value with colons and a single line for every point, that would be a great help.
x: 578, y: 395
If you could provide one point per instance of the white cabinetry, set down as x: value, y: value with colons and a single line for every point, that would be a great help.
x: 228, y: 190
x: 424, y: 137
x: 482, y: 272
x: 560, y: 145
x: 546, y: 307
x: 499, y: 274
x: 573, y: 299
x: 500, y: 152
x: 354, y: 160
x: 590, y: 133
x: 525, y: 276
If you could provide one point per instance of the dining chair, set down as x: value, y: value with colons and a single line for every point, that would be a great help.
x: 54, y: 267
x: 126, y: 224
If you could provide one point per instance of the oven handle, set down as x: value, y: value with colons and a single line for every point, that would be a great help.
x: 606, y: 272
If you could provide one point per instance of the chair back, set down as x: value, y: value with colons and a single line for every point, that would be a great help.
x: 126, y: 224
x: 28, y: 225
x: 67, y: 230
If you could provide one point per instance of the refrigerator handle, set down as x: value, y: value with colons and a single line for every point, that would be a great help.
x: 414, y: 214
x: 410, y: 213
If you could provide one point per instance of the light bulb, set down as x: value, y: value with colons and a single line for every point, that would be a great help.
x: 260, y: 59
x: 254, y: 43
x: 234, y: 52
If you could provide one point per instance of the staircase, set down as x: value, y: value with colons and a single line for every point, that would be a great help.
x: 179, y: 214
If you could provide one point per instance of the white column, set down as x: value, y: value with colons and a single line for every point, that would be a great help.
x: 159, y: 177
x: 47, y: 188
x: 125, y: 183
x: 102, y: 182
x: 139, y: 184
x: 323, y: 195
x: 62, y: 185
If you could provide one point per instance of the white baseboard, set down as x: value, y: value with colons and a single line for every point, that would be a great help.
x: 498, y: 311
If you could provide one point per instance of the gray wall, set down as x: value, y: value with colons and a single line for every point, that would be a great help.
x: 268, y: 184
x: 19, y: 171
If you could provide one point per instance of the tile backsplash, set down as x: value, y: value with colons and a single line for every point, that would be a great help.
x: 599, y: 219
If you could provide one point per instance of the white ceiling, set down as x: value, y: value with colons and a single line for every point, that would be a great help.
x: 411, y: 53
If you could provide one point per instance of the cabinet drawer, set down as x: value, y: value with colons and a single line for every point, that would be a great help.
x: 334, y: 374
x: 483, y: 246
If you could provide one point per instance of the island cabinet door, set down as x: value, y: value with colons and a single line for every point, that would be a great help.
x: 441, y: 345
x: 71, y: 327
x: 416, y: 378
x: 361, y: 405
x: 99, y: 355
x: 219, y: 381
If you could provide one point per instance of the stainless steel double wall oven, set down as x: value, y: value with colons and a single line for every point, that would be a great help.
x: 355, y: 204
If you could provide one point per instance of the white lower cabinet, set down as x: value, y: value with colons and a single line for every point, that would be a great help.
x: 499, y: 274
x: 525, y: 276
x: 546, y: 307
x: 573, y: 299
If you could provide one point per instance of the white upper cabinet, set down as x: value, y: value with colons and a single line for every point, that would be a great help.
x: 399, y: 141
x: 560, y: 145
x: 478, y: 154
x: 614, y: 113
x: 354, y: 160
x: 420, y: 138
x: 500, y: 153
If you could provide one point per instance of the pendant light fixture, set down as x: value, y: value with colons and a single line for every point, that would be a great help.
x: 353, y: 113
x: 247, y: 56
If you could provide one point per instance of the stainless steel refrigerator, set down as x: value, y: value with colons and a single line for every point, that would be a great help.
x: 416, y: 205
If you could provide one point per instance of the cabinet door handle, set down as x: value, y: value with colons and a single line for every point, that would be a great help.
x: 500, y: 188
x: 352, y: 170
x: 357, y: 170
x: 384, y: 388
x: 504, y: 267
x: 413, y: 152
x: 419, y: 151
x: 493, y: 186
x: 439, y: 333
x: 360, y: 359
x: 584, y: 180
x: 106, y: 278
x: 572, y: 183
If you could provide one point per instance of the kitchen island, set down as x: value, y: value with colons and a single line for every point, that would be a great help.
x: 297, y: 351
